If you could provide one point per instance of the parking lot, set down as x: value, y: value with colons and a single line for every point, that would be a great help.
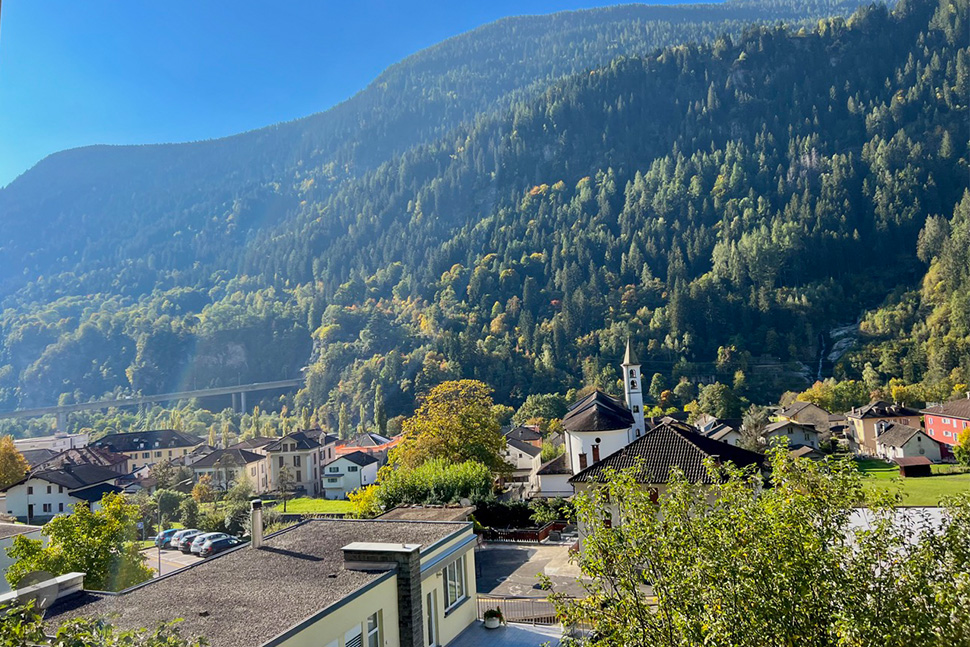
x: 171, y: 560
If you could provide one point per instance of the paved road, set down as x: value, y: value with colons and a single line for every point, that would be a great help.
x: 510, y: 570
x: 172, y: 560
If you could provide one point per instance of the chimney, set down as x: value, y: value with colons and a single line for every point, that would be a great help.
x: 405, y: 560
x: 256, y: 530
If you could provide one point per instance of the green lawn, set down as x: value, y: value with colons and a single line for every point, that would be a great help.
x: 316, y: 506
x: 925, y: 491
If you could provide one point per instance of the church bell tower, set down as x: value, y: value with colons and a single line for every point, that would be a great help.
x: 633, y: 388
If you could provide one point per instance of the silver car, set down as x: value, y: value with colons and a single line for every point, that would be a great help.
x: 198, y: 540
x: 177, y: 537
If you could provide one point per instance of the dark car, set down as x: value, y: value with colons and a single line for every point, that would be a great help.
x: 185, y: 541
x: 214, y: 546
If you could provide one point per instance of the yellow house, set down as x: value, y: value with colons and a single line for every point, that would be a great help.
x: 864, y: 423
x: 149, y: 447
x: 321, y: 583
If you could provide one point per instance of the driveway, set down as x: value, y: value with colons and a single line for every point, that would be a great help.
x: 509, y: 570
x: 172, y: 560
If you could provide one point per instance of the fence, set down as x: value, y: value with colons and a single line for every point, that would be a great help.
x: 527, y: 535
x: 533, y: 611
x: 293, y: 517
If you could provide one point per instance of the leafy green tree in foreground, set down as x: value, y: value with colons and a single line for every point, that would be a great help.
x: 738, y: 564
x: 22, y: 625
x: 100, y: 544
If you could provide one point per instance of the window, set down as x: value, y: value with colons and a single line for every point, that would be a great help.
x: 946, y: 421
x: 60, y: 507
x: 354, y: 637
x: 252, y: 470
x: 298, y: 474
x: 296, y: 461
x: 633, y: 372
x: 332, y: 480
x: 30, y: 489
x: 374, y: 630
x: 158, y: 454
x: 281, y: 461
x: 946, y: 433
x: 146, y: 455
x: 596, y: 453
x: 47, y: 507
x: 633, y: 384
x: 48, y: 489
x: 454, y: 583
x: 352, y: 468
x: 60, y: 489
x: 582, y: 461
x: 636, y: 408
x: 334, y: 469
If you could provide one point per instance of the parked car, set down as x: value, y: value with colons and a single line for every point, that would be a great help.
x: 174, y: 541
x: 164, y: 537
x: 200, y: 539
x: 214, y: 546
x: 185, y: 541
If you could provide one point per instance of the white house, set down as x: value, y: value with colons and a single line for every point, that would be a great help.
x: 553, y: 478
x: 348, y: 473
x: 302, y: 456
x: 56, y: 443
x: 43, y: 494
x: 793, y: 433
x: 8, y: 532
x: 525, y: 459
x: 896, y: 440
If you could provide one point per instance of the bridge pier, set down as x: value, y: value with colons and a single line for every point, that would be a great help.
x: 242, y: 402
x: 61, y: 424
x: 235, y: 403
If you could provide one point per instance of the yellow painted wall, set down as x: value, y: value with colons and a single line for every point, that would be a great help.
x: 464, y: 613
x: 334, y: 625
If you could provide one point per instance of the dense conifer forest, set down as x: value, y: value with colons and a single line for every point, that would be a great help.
x: 513, y: 203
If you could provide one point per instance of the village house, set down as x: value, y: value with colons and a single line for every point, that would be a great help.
x: 149, y: 447
x: 90, y: 455
x: 302, y: 457
x: 945, y: 422
x: 227, y: 467
x: 792, y: 433
x: 896, y: 440
x: 55, y: 443
x: 862, y: 422
x: 348, y: 473
x: 525, y: 435
x: 525, y: 460
x: 42, y: 494
x: 341, y: 583
x: 9, y: 532
x: 727, y: 431
x: 376, y: 445
x: 553, y: 478
x: 806, y: 413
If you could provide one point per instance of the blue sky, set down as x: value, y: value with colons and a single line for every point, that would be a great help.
x: 78, y: 72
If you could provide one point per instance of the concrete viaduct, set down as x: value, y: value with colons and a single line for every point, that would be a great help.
x: 238, y: 393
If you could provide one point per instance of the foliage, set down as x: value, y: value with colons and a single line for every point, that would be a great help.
x: 202, y: 491
x: 735, y: 564
x: 753, y: 427
x: 550, y: 451
x: 284, y: 484
x: 13, y: 465
x: 961, y: 450
x: 100, y: 544
x: 719, y: 400
x: 557, y: 509
x: 189, y: 513
x: 168, y: 503
x: 836, y: 396
x: 541, y: 408
x: 454, y: 422
x: 24, y: 625
x: 434, y: 482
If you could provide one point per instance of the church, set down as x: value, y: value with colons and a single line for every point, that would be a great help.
x: 598, y: 425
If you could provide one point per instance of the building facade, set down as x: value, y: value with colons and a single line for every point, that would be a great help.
x: 863, y: 421
x: 945, y: 422
x: 149, y: 447
x: 348, y: 473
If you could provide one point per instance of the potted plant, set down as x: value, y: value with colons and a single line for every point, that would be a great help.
x: 493, y: 618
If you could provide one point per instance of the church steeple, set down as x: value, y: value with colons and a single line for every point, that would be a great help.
x: 633, y: 389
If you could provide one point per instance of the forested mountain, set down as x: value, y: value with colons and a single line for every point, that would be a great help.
x: 510, y: 204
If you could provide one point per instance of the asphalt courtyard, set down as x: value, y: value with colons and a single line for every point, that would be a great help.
x: 509, y: 570
x: 171, y: 560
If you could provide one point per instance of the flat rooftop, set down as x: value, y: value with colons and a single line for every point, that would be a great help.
x: 8, y: 530
x: 246, y: 597
x: 428, y: 513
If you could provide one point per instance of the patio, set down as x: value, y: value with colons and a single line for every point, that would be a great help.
x: 511, y: 635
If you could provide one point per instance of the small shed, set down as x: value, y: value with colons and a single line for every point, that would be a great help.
x: 913, y: 466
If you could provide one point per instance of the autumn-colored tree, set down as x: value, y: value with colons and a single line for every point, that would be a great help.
x: 455, y: 421
x: 13, y: 465
x: 202, y: 492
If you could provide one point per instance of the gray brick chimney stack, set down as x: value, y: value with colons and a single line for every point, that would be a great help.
x: 405, y: 559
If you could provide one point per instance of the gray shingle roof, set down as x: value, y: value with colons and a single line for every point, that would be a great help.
x: 959, y: 408
x: 360, y: 458
x: 136, y: 441
x: 897, y: 434
x: 525, y: 448
x: 666, y: 446
x: 523, y: 433
x: 597, y: 412
x: 237, y: 457
x: 558, y: 465
x: 882, y: 409
x: 228, y: 599
x: 301, y: 439
x: 73, y: 477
